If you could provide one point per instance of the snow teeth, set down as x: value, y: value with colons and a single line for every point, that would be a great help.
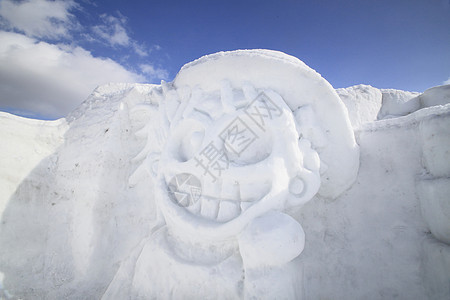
x: 228, y: 210
x: 209, y: 208
x: 195, y: 208
x: 231, y: 190
x: 245, y: 205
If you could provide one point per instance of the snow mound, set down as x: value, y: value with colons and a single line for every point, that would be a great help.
x: 363, y: 103
x: 438, y: 95
x: 366, y: 104
x: 398, y: 103
x: 25, y: 142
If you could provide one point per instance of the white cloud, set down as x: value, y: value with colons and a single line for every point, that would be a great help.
x: 447, y: 81
x: 51, y: 80
x: 140, y: 49
x: 112, y: 30
x: 154, y: 73
x: 39, y: 18
x: 53, y: 19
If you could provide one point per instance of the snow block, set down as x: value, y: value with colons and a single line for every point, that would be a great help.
x: 25, y: 142
x: 398, y: 103
x: 436, y: 265
x: 434, y: 197
x: 435, y: 138
x: 438, y: 95
x: 401, y: 103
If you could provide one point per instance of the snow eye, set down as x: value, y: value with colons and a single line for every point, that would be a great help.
x: 247, y: 148
x: 191, y: 144
x: 187, y: 140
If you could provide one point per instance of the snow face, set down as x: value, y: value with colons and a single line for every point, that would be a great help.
x: 221, y: 173
x: 246, y: 163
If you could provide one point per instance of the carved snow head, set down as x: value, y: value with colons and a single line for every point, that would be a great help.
x: 244, y: 134
x: 230, y: 157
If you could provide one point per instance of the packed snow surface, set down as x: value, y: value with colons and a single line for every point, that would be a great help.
x: 366, y: 104
x: 25, y: 142
x: 363, y: 103
x: 242, y: 178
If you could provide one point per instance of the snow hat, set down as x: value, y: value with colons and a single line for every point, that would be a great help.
x: 321, y: 116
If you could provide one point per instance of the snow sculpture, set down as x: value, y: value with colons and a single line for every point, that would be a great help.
x: 237, y: 146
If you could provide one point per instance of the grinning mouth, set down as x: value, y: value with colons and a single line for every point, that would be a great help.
x: 230, y: 201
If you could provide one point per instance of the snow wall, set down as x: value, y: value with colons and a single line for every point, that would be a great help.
x: 92, y: 206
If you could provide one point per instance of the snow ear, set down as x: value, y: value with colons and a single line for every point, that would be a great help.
x: 302, y: 188
x: 306, y: 183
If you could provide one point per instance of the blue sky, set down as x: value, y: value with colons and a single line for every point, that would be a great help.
x: 53, y: 53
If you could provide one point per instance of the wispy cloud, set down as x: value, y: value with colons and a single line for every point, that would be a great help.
x: 51, y: 80
x: 112, y: 30
x: 153, y: 73
x: 447, y: 81
x: 39, y: 18
x: 140, y: 50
